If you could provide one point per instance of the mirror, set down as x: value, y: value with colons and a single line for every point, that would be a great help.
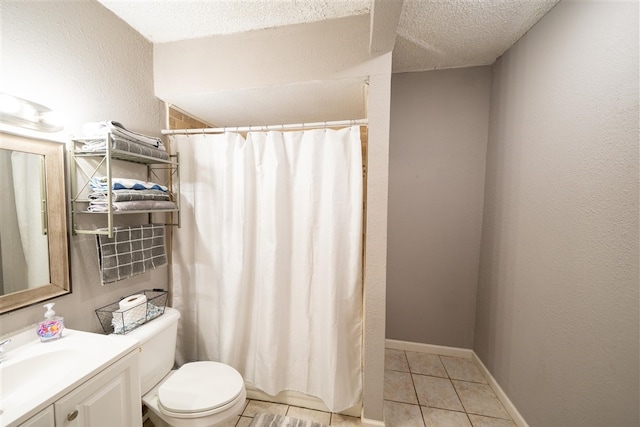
x: 34, y: 258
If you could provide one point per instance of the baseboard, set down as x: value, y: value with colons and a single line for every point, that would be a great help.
x: 502, y: 396
x: 467, y: 354
x: 429, y: 348
x: 294, y: 398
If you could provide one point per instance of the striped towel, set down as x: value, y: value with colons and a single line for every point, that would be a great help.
x: 99, y: 183
x: 131, y: 251
x: 273, y: 420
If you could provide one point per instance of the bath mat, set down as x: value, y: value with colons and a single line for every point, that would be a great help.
x: 272, y: 420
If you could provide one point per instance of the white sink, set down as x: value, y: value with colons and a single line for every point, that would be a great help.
x: 34, y: 374
x: 21, y: 376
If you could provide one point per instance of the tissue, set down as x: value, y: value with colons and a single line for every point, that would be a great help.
x: 132, y: 312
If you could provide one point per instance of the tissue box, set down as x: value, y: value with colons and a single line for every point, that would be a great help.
x: 121, y: 318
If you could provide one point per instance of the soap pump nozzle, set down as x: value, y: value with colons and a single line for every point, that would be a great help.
x: 49, y: 313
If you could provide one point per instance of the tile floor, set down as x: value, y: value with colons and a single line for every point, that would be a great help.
x: 427, y: 390
x: 420, y: 390
x: 254, y: 407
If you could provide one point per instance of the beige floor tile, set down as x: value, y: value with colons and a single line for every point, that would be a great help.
x: 434, y: 417
x: 231, y: 422
x: 480, y: 421
x: 309, y: 415
x: 395, y: 360
x: 479, y: 399
x: 345, y: 421
x: 244, y: 422
x: 426, y: 364
x: 436, y: 393
x: 257, y: 406
x: 399, y: 387
x: 462, y: 369
x: 402, y: 415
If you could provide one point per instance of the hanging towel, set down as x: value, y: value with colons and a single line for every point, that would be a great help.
x: 132, y: 250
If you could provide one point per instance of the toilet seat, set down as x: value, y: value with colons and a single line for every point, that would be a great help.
x: 200, y: 389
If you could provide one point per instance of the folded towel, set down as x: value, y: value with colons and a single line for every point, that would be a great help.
x: 99, y: 183
x: 128, y: 195
x: 132, y: 250
x: 118, y: 143
x: 102, y: 128
x: 134, y: 205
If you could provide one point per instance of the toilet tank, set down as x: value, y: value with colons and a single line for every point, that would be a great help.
x: 157, y: 347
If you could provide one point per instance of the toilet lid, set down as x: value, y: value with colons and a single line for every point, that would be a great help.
x: 200, y: 387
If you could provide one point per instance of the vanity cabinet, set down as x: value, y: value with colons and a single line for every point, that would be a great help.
x: 44, y: 418
x: 86, y: 165
x: 111, y: 398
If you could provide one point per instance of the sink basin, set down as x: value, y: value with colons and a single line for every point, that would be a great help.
x: 19, y: 378
x: 33, y: 374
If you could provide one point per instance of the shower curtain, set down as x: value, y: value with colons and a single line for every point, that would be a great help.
x: 267, y: 269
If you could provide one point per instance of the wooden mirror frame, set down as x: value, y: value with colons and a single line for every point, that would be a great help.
x: 54, y: 160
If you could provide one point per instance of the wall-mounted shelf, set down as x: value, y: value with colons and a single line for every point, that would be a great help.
x: 86, y: 165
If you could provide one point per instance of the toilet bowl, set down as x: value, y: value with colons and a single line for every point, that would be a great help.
x: 198, y: 394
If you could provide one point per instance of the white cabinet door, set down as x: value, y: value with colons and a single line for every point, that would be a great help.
x: 43, y: 418
x: 111, y: 398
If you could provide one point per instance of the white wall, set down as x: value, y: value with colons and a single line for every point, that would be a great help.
x: 439, y: 130
x: 557, y: 315
x: 78, y: 58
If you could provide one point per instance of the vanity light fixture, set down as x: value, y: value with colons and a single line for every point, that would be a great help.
x: 26, y: 114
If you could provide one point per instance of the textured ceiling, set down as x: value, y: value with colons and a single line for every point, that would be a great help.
x: 461, y: 33
x: 429, y: 35
x: 164, y: 21
x: 432, y: 34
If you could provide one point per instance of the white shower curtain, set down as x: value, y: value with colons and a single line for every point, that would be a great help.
x: 267, y: 261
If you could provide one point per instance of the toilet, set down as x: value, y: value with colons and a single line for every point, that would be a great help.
x: 198, y: 394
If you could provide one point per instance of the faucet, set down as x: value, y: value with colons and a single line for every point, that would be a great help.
x: 7, y: 341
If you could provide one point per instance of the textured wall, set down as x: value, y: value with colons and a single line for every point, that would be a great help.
x: 439, y: 127
x: 78, y: 58
x: 557, y: 313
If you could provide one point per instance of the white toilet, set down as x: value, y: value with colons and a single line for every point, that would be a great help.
x: 199, y: 394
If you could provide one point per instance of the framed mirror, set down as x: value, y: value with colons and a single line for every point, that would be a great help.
x: 34, y: 255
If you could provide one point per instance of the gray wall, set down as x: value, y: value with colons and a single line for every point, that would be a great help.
x: 78, y: 58
x: 439, y: 127
x: 557, y: 313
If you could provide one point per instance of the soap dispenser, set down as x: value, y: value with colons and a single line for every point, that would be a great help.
x: 52, y: 326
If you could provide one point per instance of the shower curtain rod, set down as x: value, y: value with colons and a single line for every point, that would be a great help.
x: 316, y: 125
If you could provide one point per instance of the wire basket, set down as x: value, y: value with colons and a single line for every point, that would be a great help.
x: 115, y: 319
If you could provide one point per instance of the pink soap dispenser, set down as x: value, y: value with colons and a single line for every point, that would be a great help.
x: 52, y: 326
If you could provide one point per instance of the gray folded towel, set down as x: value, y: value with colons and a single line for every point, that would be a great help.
x: 125, y: 145
x: 131, y: 251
